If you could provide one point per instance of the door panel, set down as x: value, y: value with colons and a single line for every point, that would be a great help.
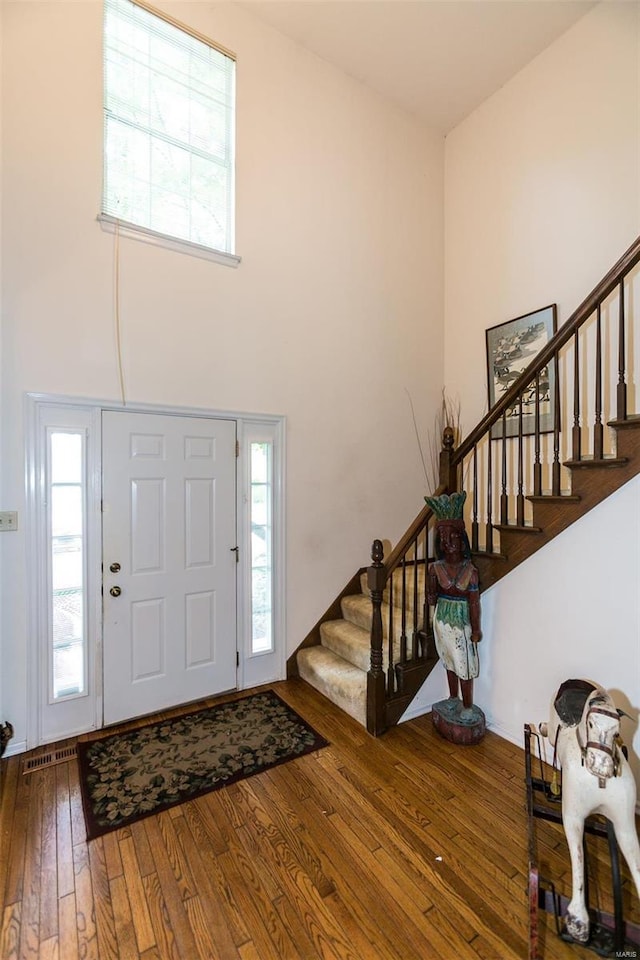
x: 169, y: 523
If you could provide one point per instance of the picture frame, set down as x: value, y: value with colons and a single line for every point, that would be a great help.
x: 511, y: 347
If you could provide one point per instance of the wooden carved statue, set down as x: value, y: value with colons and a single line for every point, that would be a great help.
x: 452, y: 590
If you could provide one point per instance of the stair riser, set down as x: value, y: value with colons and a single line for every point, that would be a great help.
x: 347, y: 687
x: 363, y: 617
x: 411, y: 594
x: 332, y: 639
x: 594, y: 484
x: 357, y: 654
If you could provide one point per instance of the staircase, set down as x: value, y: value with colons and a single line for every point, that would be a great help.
x: 372, y: 649
x: 338, y: 665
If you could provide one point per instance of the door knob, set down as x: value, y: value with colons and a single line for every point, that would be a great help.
x: 115, y: 568
x: 115, y: 591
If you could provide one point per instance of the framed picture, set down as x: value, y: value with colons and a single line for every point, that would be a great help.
x: 511, y: 347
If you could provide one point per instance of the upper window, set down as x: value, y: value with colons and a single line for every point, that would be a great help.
x: 169, y: 112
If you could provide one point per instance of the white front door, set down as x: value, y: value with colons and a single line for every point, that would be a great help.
x: 169, y: 561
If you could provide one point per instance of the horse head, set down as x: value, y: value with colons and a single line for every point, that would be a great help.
x: 598, y: 734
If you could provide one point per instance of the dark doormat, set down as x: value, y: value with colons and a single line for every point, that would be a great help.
x: 127, y: 776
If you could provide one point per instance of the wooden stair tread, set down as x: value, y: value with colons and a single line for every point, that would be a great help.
x: 489, y: 556
x: 630, y: 422
x: 514, y: 528
x: 591, y: 463
x: 554, y: 498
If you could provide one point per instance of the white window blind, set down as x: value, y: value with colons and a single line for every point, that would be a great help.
x: 169, y: 114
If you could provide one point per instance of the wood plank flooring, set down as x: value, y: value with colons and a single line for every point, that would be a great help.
x: 398, y: 848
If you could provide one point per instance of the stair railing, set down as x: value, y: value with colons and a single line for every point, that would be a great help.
x: 594, y: 362
x: 591, y: 364
x: 399, y: 583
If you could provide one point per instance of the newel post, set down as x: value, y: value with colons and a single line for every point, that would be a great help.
x: 376, y: 578
x: 448, y: 473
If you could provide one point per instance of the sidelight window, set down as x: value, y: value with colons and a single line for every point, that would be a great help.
x: 66, y: 508
x: 261, y: 547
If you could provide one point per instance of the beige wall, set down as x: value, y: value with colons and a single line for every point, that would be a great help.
x: 542, y: 197
x: 542, y: 190
x: 326, y: 321
x: 2, y: 713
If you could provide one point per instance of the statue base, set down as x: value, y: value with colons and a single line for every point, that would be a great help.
x: 457, y: 724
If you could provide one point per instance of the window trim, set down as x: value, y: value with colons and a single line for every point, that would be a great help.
x: 267, y: 665
x: 112, y: 224
x: 179, y: 25
x: 133, y: 232
x: 42, y: 415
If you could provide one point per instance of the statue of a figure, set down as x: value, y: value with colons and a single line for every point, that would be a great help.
x: 452, y: 588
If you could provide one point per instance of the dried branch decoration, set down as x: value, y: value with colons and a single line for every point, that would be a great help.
x: 447, y: 415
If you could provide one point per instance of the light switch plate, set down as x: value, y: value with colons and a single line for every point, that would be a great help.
x: 8, y: 520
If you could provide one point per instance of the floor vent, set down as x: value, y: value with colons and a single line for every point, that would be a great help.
x: 49, y: 759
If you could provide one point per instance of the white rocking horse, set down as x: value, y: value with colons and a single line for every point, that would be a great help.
x: 584, y: 729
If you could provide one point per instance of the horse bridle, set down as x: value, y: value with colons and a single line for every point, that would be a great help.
x: 611, y: 751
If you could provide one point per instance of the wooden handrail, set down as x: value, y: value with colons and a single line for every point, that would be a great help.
x: 627, y: 262
x: 407, y: 539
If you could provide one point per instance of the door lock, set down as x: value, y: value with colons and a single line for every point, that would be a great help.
x: 115, y: 568
x: 115, y: 591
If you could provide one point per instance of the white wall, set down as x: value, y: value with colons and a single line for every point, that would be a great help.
x: 542, y: 197
x: 1, y: 425
x: 327, y: 320
x: 571, y: 610
x: 542, y: 190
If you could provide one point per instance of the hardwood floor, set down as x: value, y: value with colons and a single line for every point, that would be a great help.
x: 398, y: 848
